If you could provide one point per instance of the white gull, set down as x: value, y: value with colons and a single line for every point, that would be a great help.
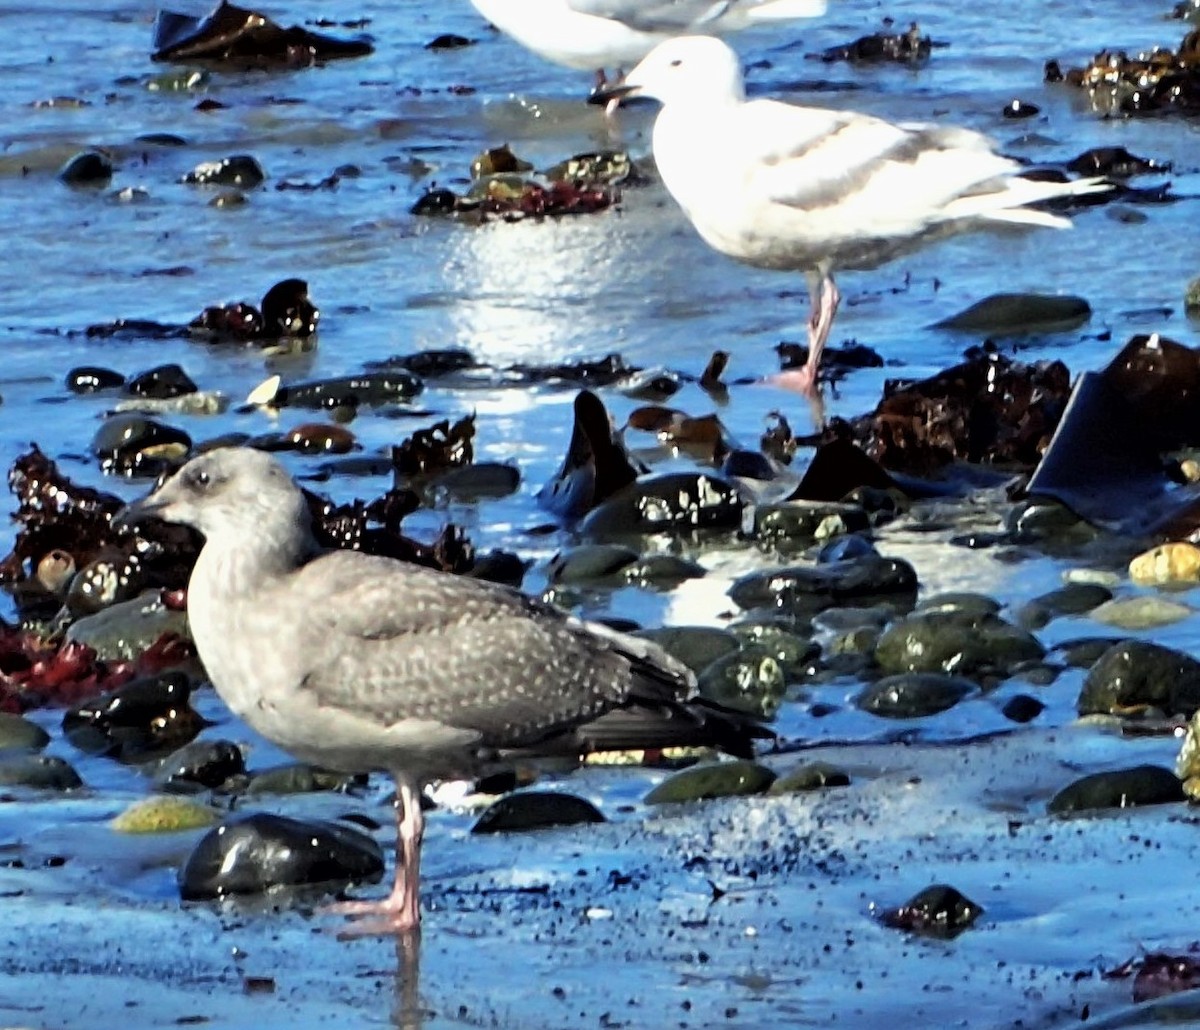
x: 782, y: 186
x: 596, y: 34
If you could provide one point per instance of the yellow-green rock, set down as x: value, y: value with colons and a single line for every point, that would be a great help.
x: 1131, y: 613
x: 715, y: 780
x: 165, y: 815
x: 1174, y: 563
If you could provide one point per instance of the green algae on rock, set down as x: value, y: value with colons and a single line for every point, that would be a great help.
x: 712, y: 780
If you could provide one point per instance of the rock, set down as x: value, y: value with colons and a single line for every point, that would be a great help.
x: 963, y: 602
x: 1122, y: 788
x: 91, y: 379
x: 88, y: 168
x: 161, y: 382
x: 240, y: 170
x: 536, y: 810
x: 165, y: 815
x: 124, y: 630
x: 137, y: 721
x: 1072, y: 599
x: 802, y: 590
x: 42, y: 772
x: 297, y: 779
x: 1022, y: 708
x: 258, y: 852
x: 957, y: 643
x: 939, y: 911
x: 749, y: 680
x: 1134, y: 613
x: 1017, y: 313
x: 589, y: 563
x: 914, y: 694
x: 792, y: 653
x: 695, y: 646
x: 133, y: 444
x: 1170, y: 564
x: 475, y: 482
x: 672, y: 502
x: 104, y: 582
x: 199, y: 765
x: 810, y: 776
x: 802, y: 522
x: 715, y: 780
x: 19, y: 734
x: 1101, y: 577
x: 1084, y: 652
x: 1138, y: 674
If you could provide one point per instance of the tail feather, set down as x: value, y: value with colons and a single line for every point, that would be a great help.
x: 1009, y: 204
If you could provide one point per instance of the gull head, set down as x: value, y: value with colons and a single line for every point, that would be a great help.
x: 233, y: 492
x: 692, y: 69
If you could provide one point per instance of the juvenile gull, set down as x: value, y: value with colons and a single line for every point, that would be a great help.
x: 362, y: 663
x: 781, y: 186
x: 596, y: 34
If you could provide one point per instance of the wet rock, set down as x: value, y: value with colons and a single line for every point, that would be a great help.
x: 939, y: 911
x: 670, y: 502
x: 197, y: 766
x: 914, y: 694
x: 805, y: 589
x: 808, y: 777
x: 312, y: 438
x: 1173, y: 564
x: 40, y: 772
x: 160, y: 382
x: 89, y: 168
x: 1138, y: 674
x: 449, y: 41
x: 695, y: 646
x: 137, y: 721
x: 1048, y: 524
x: 124, y: 630
x: 240, y: 170
x: 371, y: 389
x: 165, y: 815
x: 804, y: 522
x: 792, y: 652
x: 103, y: 582
x: 19, y: 734
x: 1084, y: 652
x: 296, y: 778
x: 1123, y: 788
x: 1114, y: 162
x: 1159, y: 974
x: 476, y: 482
x: 1019, y: 313
x: 244, y: 38
x: 135, y: 445
x: 961, y: 602
x: 1135, y: 613
x: 259, y: 852
x: 1022, y: 708
x: 91, y: 379
x: 956, y: 643
x: 1017, y: 109
x: 589, y: 563
x: 716, y: 780
x: 536, y: 810
x: 1072, y: 599
x: 596, y: 465
x: 748, y: 680
x: 498, y: 161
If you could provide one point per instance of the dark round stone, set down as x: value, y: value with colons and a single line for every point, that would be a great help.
x: 938, y: 911
x: 536, y: 810
x: 138, y: 721
x: 89, y: 168
x: 161, y: 382
x: 90, y: 378
x: 262, y: 851
x: 1121, y: 788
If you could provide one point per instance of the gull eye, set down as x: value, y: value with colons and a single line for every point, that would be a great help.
x: 199, y: 479
x: 676, y: 63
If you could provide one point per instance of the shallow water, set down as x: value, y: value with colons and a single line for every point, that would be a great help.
x: 635, y: 279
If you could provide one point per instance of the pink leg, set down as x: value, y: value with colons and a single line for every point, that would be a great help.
x: 400, y: 911
x: 824, y: 299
